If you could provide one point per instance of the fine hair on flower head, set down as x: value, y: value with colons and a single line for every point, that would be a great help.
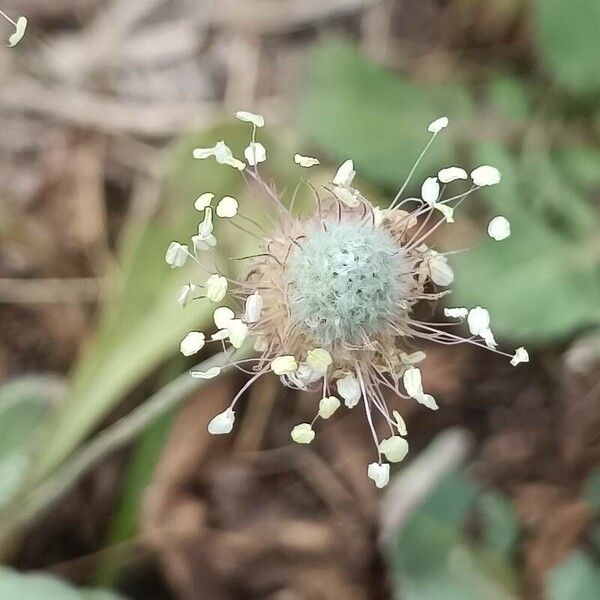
x: 328, y: 300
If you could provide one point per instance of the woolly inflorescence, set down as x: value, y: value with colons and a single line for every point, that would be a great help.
x: 328, y: 299
x: 344, y: 281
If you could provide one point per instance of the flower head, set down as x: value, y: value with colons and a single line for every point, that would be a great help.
x: 328, y: 300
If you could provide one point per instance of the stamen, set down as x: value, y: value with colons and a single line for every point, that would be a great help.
x: 412, y: 171
x: 368, y: 410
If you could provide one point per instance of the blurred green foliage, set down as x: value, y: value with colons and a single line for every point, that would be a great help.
x: 577, y: 578
x: 499, y: 527
x: 591, y: 491
x: 353, y: 108
x: 569, y: 42
x: 34, y: 586
x: 433, y: 559
x: 125, y: 520
x: 24, y: 403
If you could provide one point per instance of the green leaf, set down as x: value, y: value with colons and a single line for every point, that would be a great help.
x: 463, y: 576
x: 430, y: 558
x: 577, y: 578
x: 427, y: 537
x: 580, y: 166
x: 541, y: 284
x: 591, y: 490
x: 353, y: 108
x: 499, y: 523
x: 139, y: 472
x: 24, y: 402
x: 510, y: 97
x: 38, y: 586
x: 567, y: 33
x: 595, y: 537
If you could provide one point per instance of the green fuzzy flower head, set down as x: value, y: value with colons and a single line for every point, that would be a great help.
x: 344, y: 281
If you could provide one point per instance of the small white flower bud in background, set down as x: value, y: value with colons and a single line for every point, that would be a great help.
x: 222, y: 423
x: 327, y: 406
x: 521, y: 355
x: 437, y: 125
x: 303, y: 433
x: 176, y: 254
x: 499, y: 228
x: 193, y: 342
x: 186, y: 294
x: 305, y: 161
x: 349, y: 389
x: 203, y: 201
x: 412, y: 359
x: 428, y: 401
x: 485, y: 175
x: 440, y: 271
x: 222, y: 334
x: 345, y: 174
x: 202, y: 153
x: 223, y: 316
x: 450, y: 174
x: 255, y: 153
x: 216, y: 287
x: 227, y: 207
x: 248, y: 117
x: 430, y: 190
x: 456, y: 313
x: 253, y: 308
x: 208, y: 374
x: 224, y: 156
x: 238, y: 331
x: 394, y: 448
x: 478, y: 320
x: 379, y: 473
x: 283, y: 365
x: 412, y: 382
x: 414, y: 388
x: 17, y: 36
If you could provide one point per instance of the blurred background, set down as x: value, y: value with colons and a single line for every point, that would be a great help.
x: 101, y: 104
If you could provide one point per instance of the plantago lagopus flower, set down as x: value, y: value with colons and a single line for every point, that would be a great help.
x: 328, y: 300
